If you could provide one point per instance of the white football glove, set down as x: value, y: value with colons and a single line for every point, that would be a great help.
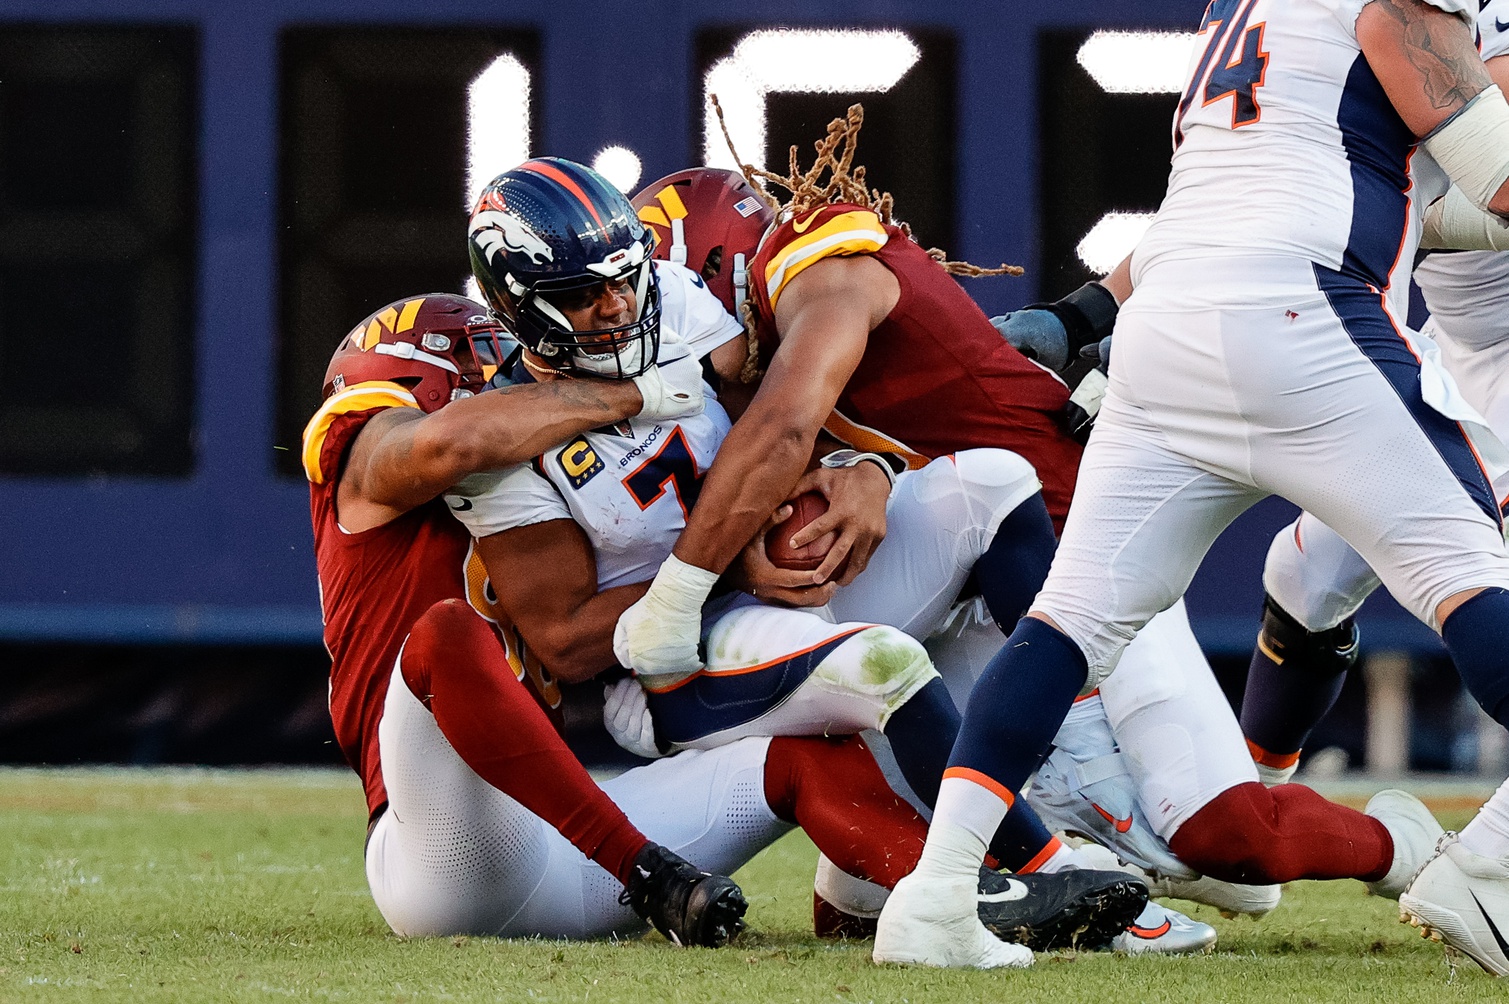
x: 672, y: 388
x: 626, y: 714
x: 657, y: 637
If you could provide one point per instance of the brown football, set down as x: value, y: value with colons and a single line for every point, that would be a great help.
x: 805, y: 508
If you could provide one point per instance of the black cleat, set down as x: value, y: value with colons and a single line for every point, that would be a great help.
x: 687, y: 905
x: 1073, y: 908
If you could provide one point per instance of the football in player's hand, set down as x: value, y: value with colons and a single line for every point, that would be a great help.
x: 805, y: 508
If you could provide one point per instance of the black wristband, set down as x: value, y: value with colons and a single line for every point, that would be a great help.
x: 1088, y: 314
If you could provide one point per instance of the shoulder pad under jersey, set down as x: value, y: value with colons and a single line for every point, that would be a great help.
x: 803, y: 240
x: 372, y: 395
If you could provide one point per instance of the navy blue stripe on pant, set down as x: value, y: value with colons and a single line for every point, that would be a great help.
x: 713, y: 702
x: 1359, y: 307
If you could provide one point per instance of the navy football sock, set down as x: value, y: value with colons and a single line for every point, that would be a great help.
x: 922, y: 733
x: 1018, y: 704
x: 1477, y: 637
x: 1295, y: 677
x: 1021, y: 838
x: 1013, y: 568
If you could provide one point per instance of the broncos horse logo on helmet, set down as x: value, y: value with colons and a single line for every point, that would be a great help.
x: 551, y: 227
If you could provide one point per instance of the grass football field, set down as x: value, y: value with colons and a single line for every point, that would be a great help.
x: 188, y: 885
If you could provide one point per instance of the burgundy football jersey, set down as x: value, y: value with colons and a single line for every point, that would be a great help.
x: 936, y: 376
x: 376, y: 583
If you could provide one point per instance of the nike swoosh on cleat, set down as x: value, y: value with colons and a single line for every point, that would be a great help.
x: 1014, y: 891
x: 1149, y: 933
x: 1503, y: 946
x: 1122, y: 825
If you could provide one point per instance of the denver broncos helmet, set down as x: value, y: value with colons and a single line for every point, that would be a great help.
x: 551, y: 226
x: 441, y: 346
x: 710, y: 221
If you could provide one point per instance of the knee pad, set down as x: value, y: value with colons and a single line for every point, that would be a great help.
x: 882, y: 663
x: 995, y: 482
x: 448, y: 633
x: 1315, y: 576
x: 1282, y: 638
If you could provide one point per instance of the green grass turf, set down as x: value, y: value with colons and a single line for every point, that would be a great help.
x: 209, y: 886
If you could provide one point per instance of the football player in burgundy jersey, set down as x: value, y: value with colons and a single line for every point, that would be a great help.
x: 463, y: 771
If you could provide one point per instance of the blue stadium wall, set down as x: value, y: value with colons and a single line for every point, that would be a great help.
x: 217, y: 550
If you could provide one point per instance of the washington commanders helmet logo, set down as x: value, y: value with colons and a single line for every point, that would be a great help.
x: 492, y: 230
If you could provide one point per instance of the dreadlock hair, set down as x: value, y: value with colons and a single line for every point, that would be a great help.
x: 832, y: 178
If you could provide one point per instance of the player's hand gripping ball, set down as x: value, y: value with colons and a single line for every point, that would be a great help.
x: 805, y: 508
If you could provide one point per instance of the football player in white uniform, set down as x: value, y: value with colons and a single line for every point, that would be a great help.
x: 1314, y: 582
x: 571, y: 539
x: 1260, y: 354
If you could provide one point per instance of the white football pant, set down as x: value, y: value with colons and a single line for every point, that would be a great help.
x: 454, y: 855
x: 1238, y: 379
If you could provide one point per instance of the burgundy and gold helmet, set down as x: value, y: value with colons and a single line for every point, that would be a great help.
x: 709, y: 220
x: 440, y: 346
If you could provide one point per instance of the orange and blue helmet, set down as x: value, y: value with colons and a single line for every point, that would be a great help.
x: 551, y: 226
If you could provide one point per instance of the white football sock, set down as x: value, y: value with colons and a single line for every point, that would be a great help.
x: 1488, y: 833
x: 966, y: 816
x: 1061, y: 858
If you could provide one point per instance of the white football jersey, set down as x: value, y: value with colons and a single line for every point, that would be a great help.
x: 1468, y: 291
x: 630, y: 486
x: 1286, y: 145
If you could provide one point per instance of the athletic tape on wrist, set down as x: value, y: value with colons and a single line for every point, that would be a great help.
x: 687, y: 584
x: 1472, y: 146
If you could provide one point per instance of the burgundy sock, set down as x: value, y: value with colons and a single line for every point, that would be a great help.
x: 835, y: 791
x: 454, y: 664
x: 1260, y: 836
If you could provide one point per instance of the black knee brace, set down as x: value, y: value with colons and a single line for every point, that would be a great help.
x: 1283, y: 638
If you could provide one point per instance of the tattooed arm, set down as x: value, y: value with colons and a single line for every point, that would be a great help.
x: 1424, y: 58
x: 402, y: 458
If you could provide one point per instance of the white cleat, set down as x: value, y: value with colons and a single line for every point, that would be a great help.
x: 1462, y: 899
x: 1084, y: 787
x: 1230, y: 898
x: 1163, y: 931
x: 1415, y: 832
x: 929, y: 921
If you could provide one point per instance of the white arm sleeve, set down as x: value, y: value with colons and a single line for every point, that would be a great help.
x: 690, y: 309
x: 495, y: 501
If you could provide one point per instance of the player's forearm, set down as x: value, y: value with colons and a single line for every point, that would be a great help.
x: 579, y: 645
x: 511, y: 425
x: 758, y: 464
